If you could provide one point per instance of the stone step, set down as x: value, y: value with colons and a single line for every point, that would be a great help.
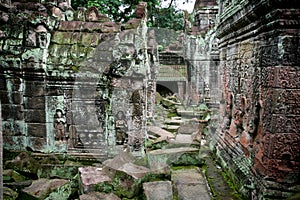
x: 159, y: 133
x: 173, y: 121
x: 158, y: 190
x: 175, y: 156
x: 182, y: 140
x: 190, y: 184
x: 189, y: 128
x: 172, y: 128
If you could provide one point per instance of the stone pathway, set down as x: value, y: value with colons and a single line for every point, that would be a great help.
x: 190, y: 184
x: 187, y: 180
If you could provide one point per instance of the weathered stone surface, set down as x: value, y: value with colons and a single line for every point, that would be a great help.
x: 158, y: 190
x: 90, y: 177
x: 99, y: 196
x: 9, y: 194
x: 37, y: 143
x: 183, y: 139
x: 34, y: 89
x: 18, y: 185
x: 34, y: 102
x: 127, y: 174
x: 110, y: 27
x: 36, y: 129
x: 24, y: 163
x: 11, y: 175
x: 128, y: 177
x: 43, y: 188
x: 160, y: 133
x: 259, y: 120
x: 70, y: 25
x: 13, y: 112
x: 54, y: 168
x: 132, y: 24
x: 48, y: 56
x: 175, y: 156
x: 12, y: 128
x: 190, y: 184
x: 188, y: 128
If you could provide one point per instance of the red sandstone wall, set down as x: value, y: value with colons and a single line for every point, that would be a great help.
x: 259, y: 136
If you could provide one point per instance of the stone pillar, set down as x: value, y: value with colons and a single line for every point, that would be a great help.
x: 181, y: 90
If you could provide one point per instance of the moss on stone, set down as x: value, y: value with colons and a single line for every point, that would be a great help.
x: 188, y: 159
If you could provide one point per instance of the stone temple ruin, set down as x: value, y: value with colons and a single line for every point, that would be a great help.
x: 74, y: 83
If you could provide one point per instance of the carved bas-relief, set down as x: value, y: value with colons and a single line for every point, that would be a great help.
x: 259, y: 134
x: 121, y: 128
x: 60, y: 125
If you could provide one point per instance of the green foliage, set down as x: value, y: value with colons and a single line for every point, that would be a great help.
x: 61, y: 193
x: 104, y: 187
x: 123, y: 10
x: 79, y: 3
x: 231, y: 185
x: 168, y: 18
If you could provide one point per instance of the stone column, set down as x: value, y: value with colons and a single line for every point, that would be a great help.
x: 181, y: 90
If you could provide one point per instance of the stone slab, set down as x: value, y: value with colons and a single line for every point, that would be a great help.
x: 175, y: 156
x: 117, y: 163
x: 42, y: 188
x: 98, y: 196
x: 172, y: 128
x: 173, y: 121
x: 183, y: 139
x: 190, y: 184
x: 90, y: 177
x: 158, y: 190
x: 188, y: 128
x: 157, y: 131
x: 160, y: 134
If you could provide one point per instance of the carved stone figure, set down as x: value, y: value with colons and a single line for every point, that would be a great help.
x: 121, y: 128
x: 60, y: 125
x: 93, y: 14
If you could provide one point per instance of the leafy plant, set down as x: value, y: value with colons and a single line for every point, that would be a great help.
x: 123, y: 10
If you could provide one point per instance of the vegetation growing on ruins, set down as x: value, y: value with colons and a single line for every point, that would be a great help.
x: 122, y: 11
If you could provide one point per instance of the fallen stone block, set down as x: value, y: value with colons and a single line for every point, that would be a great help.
x: 158, y: 190
x: 66, y: 171
x: 157, y: 131
x: 188, y: 128
x: 111, y: 165
x: 172, y: 128
x: 24, y: 163
x: 174, y: 121
x: 190, y: 184
x: 175, y: 156
x: 18, y: 185
x: 160, y: 134
x: 98, y: 196
x: 10, y: 175
x: 92, y: 178
x: 9, y: 194
x: 127, y: 177
x: 47, y: 188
